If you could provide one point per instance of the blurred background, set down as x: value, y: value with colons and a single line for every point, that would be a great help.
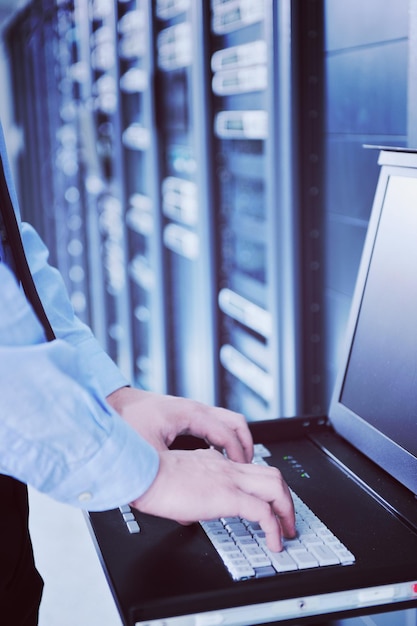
x: 197, y: 169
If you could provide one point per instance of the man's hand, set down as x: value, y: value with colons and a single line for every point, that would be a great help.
x: 160, y: 419
x: 202, y: 485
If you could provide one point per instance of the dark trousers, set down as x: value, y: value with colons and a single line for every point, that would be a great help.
x: 20, y: 583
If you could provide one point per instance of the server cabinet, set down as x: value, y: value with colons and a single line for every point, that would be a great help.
x: 101, y: 134
x: 257, y: 220
x: 143, y: 219
x: 41, y: 41
x: 183, y: 110
x: 85, y: 105
x: 121, y: 167
x: 178, y: 137
x: 72, y: 161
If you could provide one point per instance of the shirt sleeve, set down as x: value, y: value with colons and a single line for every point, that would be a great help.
x: 53, y: 294
x: 65, y: 323
x: 57, y: 432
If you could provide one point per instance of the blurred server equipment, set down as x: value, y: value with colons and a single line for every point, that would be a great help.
x: 64, y: 64
x: 185, y: 196
x: 179, y: 175
x: 47, y: 71
x: 259, y: 284
x: 144, y: 248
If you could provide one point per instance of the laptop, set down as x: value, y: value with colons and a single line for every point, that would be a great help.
x: 355, y: 469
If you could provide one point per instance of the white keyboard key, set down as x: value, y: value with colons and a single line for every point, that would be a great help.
x: 259, y: 561
x: 242, y: 571
x: 256, y: 557
x: 229, y: 548
x: 324, y: 555
x: 293, y: 544
x: 252, y: 550
x: 282, y: 562
x: 261, y: 541
x: 310, y: 539
x: 302, y: 526
x: 218, y: 538
x: 214, y: 525
x: 304, y: 559
x: 246, y: 541
x: 345, y: 557
x: 263, y: 572
x: 325, y: 533
x: 133, y: 527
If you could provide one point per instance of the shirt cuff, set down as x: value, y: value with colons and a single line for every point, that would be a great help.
x: 123, y: 469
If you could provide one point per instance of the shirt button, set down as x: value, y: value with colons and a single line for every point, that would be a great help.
x: 85, y: 496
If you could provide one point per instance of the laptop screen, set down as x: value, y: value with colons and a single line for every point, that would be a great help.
x: 376, y: 402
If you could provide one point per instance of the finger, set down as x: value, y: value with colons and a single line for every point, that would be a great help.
x: 229, y: 430
x: 286, y: 513
x: 254, y: 509
x: 268, y: 484
x: 245, y: 437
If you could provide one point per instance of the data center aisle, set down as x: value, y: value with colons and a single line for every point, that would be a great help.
x: 76, y: 591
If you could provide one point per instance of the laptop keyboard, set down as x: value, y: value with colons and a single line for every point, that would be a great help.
x: 242, y: 546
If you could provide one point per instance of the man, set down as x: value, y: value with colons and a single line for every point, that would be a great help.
x: 72, y: 427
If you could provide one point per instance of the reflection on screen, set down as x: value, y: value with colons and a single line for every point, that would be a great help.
x: 381, y: 381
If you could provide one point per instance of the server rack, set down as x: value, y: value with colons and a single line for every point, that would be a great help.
x: 145, y: 216
x: 41, y: 41
x: 254, y: 158
x: 141, y: 188
x: 102, y: 135
x: 185, y: 195
x: 72, y: 158
x: 195, y: 255
x: 71, y: 245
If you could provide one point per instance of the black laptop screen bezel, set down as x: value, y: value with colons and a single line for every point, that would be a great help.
x: 365, y: 436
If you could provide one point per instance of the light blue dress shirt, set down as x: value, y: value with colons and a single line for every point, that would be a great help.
x: 57, y: 433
